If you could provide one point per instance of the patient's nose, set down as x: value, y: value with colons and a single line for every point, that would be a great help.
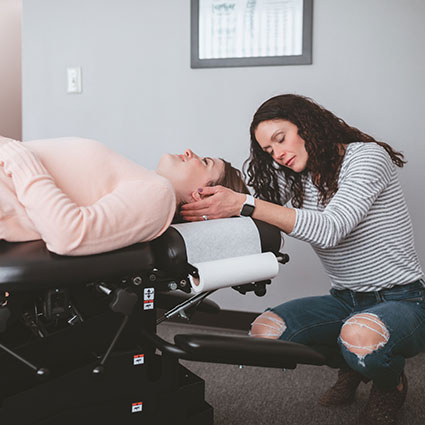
x: 188, y: 153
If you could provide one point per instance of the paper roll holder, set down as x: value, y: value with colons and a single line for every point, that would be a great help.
x: 186, y: 309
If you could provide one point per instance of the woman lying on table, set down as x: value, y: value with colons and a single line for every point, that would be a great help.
x: 82, y: 198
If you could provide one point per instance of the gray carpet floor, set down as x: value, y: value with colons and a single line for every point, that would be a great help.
x: 257, y: 396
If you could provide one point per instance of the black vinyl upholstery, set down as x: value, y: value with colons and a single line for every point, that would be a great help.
x: 66, y: 313
x: 29, y: 265
x: 247, y: 351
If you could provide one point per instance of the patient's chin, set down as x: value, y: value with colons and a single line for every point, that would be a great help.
x: 165, y: 162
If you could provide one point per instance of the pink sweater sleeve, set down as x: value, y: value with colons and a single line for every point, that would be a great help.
x: 134, y: 211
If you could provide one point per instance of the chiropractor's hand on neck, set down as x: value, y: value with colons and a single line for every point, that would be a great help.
x: 216, y: 202
x: 220, y: 202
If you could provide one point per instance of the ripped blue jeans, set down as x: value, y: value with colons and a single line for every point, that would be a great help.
x: 317, y: 322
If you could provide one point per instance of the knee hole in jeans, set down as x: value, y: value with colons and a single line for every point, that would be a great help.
x: 364, y: 333
x: 268, y: 325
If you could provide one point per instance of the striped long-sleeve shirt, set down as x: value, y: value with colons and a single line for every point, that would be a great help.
x: 363, y: 236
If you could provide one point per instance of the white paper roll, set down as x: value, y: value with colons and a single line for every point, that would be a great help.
x: 234, y: 271
x: 219, y: 239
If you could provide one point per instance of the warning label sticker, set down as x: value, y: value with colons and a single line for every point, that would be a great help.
x: 148, y: 298
x: 136, y: 407
x: 138, y: 359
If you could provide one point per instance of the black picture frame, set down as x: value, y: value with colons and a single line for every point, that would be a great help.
x: 305, y: 58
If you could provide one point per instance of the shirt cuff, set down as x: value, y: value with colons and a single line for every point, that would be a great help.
x: 19, y: 162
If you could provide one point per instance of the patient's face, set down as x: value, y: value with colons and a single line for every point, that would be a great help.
x: 188, y: 172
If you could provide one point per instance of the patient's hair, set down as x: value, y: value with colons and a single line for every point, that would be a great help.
x: 231, y: 178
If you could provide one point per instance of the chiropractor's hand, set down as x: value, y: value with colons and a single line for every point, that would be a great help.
x: 216, y: 202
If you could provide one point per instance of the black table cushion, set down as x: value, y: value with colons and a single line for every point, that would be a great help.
x: 247, y: 351
x: 29, y: 265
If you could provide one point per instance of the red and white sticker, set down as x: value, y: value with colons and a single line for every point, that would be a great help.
x: 138, y: 359
x: 137, y: 407
x: 148, y: 298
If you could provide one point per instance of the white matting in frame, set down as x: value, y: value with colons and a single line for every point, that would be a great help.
x: 251, y: 32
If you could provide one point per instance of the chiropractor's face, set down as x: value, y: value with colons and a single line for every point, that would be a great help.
x: 280, y: 139
x: 187, y: 172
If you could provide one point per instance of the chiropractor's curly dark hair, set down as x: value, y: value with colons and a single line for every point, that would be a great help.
x: 324, y: 134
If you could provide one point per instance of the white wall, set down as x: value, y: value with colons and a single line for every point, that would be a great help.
x: 10, y: 68
x: 141, y: 98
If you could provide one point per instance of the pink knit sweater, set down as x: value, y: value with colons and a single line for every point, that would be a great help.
x: 78, y: 196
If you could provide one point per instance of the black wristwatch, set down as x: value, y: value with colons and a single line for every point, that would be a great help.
x: 248, y: 206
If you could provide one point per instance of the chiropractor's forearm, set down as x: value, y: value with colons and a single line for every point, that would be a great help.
x: 279, y: 216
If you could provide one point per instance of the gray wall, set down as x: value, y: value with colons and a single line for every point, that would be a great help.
x: 141, y: 98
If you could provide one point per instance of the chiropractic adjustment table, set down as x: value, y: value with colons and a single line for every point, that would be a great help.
x: 78, y: 341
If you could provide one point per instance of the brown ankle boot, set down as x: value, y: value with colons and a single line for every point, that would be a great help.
x: 344, y: 390
x: 383, y: 406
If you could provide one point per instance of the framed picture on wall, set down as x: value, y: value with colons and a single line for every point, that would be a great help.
x: 234, y: 33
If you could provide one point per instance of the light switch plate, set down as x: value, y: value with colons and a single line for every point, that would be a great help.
x: 74, y: 80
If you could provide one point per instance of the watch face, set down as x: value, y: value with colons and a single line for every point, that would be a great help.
x: 247, y: 210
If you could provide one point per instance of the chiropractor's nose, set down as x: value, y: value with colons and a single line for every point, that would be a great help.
x: 278, y: 153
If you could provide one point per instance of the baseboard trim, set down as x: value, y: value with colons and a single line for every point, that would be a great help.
x: 225, y: 319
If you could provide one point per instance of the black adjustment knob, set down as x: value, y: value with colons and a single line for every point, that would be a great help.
x: 124, y: 301
x: 282, y: 258
x: 260, y: 289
